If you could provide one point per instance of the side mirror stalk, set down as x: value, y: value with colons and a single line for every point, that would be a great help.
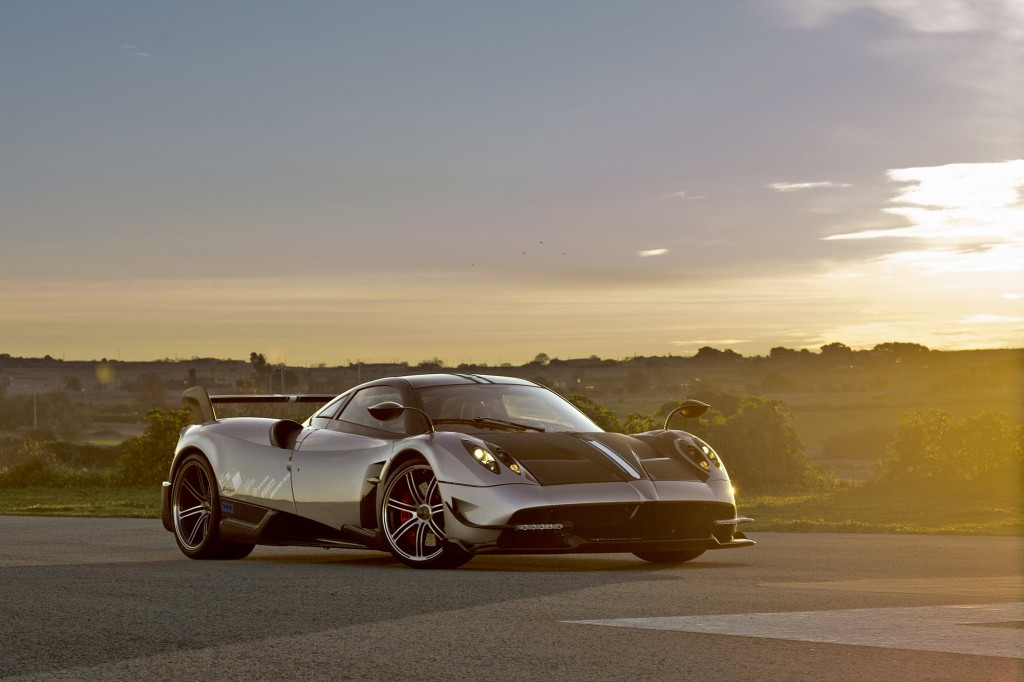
x: 389, y: 410
x: 689, y: 408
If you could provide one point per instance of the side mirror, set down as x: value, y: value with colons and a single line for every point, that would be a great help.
x: 390, y: 410
x: 689, y: 408
x: 385, y: 412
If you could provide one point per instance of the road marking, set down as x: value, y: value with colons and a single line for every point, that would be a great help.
x: 999, y: 587
x: 947, y: 629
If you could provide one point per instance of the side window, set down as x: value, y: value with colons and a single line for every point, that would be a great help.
x: 328, y: 410
x: 356, y: 411
x: 323, y: 416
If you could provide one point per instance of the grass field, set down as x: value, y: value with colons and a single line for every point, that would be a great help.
x: 854, y: 510
x: 115, y: 502
x: 866, y: 510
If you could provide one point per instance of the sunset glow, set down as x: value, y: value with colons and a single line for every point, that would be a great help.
x: 343, y: 182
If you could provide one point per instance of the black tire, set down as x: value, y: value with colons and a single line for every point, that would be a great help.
x: 412, y: 519
x: 195, y: 510
x: 669, y: 557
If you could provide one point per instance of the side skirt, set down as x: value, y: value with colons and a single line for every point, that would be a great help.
x: 249, y: 523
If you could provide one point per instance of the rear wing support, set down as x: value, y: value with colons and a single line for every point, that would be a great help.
x: 201, y: 402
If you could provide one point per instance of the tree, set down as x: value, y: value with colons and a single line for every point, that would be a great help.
x: 259, y: 364
x: 901, y: 352
x: 837, y: 354
x: 758, y: 444
x: 781, y: 354
x: 639, y: 423
x: 541, y: 359
x: 147, y: 458
x: 599, y: 414
x: 707, y: 353
x: 932, y: 451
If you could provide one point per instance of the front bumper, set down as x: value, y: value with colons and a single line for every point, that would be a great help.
x: 618, y: 527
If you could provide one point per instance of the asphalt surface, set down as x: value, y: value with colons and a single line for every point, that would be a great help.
x: 113, y: 599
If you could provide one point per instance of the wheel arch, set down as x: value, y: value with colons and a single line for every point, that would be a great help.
x: 181, y: 455
x: 430, y: 549
x: 395, y: 463
x: 404, y: 456
x: 165, y: 502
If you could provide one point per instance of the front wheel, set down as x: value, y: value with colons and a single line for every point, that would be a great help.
x: 669, y: 557
x: 195, y: 508
x: 412, y: 518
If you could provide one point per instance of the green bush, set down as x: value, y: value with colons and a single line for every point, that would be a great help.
x: 758, y: 444
x: 754, y: 436
x: 147, y: 458
x: 38, y: 466
x: 932, y: 450
x: 599, y: 414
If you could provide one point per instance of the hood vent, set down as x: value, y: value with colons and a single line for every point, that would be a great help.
x: 630, y: 470
x: 560, y: 458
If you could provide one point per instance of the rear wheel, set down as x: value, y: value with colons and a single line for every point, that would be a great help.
x: 195, y: 509
x: 669, y: 557
x: 412, y: 518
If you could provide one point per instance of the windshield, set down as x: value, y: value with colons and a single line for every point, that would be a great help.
x: 501, y: 407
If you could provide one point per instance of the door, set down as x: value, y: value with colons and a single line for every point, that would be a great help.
x: 329, y: 475
x: 331, y: 466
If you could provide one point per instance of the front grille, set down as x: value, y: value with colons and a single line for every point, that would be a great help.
x: 643, y: 521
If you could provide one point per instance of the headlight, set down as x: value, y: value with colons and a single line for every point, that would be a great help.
x: 699, y: 453
x: 709, y: 452
x: 507, y: 460
x: 483, y: 456
x: 489, y: 460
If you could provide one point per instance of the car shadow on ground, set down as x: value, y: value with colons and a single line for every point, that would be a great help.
x: 518, y: 563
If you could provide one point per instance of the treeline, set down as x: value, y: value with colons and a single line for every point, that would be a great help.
x: 754, y: 435
x: 831, y: 352
x: 143, y: 460
x: 930, y: 451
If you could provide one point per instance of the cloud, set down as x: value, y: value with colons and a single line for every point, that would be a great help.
x: 133, y: 48
x: 684, y: 195
x: 1004, y: 258
x: 696, y: 345
x: 985, y: 318
x: 989, y: 185
x: 922, y: 16
x: 973, y: 46
x: 652, y: 252
x: 968, y: 217
x: 797, y: 186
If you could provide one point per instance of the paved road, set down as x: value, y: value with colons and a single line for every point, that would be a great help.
x: 113, y: 599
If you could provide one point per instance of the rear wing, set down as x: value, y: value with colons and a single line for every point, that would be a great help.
x: 201, y: 403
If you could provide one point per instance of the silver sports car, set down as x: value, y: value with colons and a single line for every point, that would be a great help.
x: 437, y: 468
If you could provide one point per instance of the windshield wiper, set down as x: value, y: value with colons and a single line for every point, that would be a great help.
x: 490, y: 422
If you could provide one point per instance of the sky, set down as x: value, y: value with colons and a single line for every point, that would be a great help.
x: 481, y: 182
